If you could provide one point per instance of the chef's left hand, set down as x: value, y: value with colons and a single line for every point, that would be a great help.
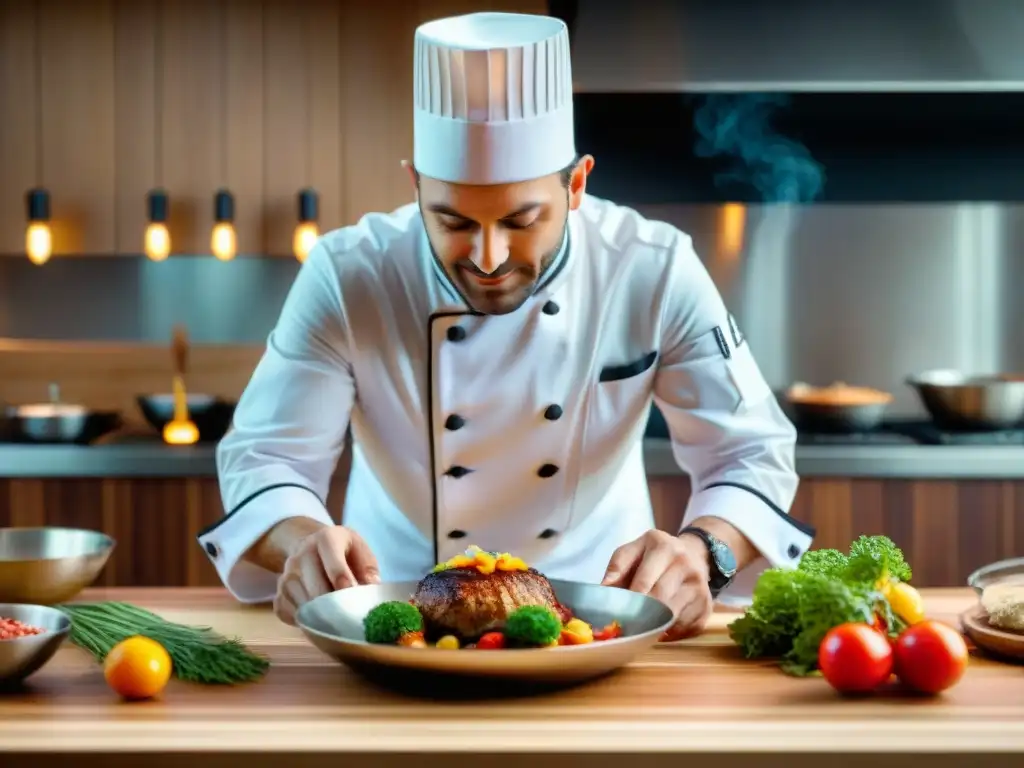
x: 672, y: 569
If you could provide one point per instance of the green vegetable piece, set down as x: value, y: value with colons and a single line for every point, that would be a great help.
x: 387, y: 622
x: 876, y: 557
x: 532, y: 625
x: 825, y: 562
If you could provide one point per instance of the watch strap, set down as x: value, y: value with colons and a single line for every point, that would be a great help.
x: 717, y: 580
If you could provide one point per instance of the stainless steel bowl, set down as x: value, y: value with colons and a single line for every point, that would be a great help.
x: 960, y: 402
x: 24, y: 656
x: 49, y: 565
x: 334, y: 624
x: 1001, y: 572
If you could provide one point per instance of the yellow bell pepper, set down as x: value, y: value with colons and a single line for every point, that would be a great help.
x: 448, y: 642
x: 577, y: 632
x: 906, y: 602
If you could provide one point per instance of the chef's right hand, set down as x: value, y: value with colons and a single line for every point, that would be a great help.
x: 329, y: 559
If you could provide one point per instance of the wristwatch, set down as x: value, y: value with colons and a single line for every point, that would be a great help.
x: 721, y: 559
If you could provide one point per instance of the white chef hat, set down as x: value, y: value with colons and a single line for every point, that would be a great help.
x: 493, y: 98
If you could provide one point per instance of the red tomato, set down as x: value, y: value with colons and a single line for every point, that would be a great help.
x: 491, y: 641
x: 930, y: 656
x: 855, y: 658
x: 610, y: 632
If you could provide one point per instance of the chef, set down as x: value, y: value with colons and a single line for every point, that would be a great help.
x: 496, y: 347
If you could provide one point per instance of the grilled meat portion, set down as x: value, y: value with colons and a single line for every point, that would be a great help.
x: 467, y: 603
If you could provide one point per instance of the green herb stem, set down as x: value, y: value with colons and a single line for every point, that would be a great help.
x: 199, y: 654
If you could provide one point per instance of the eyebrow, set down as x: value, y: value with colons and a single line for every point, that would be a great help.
x: 449, y: 211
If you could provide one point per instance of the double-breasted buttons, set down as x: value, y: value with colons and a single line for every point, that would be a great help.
x: 547, y: 470
x: 456, y: 534
x: 211, y: 549
x: 456, y: 333
x: 793, y: 550
x: 454, y: 422
x: 550, y: 308
x: 553, y: 412
x: 547, y: 533
x: 457, y: 472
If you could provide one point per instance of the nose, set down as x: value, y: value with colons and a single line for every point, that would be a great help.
x: 490, y: 250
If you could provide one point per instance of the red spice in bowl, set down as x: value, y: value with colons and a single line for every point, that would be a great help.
x: 11, y: 629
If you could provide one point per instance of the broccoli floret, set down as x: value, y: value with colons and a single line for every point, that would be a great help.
x: 824, y: 562
x: 532, y: 625
x: 387, y: 622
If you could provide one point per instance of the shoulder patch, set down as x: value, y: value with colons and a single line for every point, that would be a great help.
x: 722, y: 343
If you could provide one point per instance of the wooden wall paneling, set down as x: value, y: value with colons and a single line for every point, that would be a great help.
x: 376, y: 66
x: 136, y: 52
x: 76, y: 51
x: 19, y: 106
x: 192, y: 116
x: 245, y: 70
x: 303, y: 116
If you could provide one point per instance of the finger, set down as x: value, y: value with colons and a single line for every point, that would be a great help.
x: 670, y: 588
x: 692, y: 619
x: 361, y: 560
x: 295, y: 592
x: 623, y: 563
x: 655, y: 562
x: 314, y: 578
x: 332, y: 551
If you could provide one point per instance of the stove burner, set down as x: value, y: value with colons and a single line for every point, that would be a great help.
x: 915, y: 432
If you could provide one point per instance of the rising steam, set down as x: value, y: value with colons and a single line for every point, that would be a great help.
x: 737, y: 127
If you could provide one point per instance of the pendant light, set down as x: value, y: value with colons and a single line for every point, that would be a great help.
x: 38, y: 238
x: 307, y: 231
x: 158, y: 239
x: 223, y: 243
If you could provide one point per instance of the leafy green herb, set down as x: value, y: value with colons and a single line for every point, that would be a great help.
x: 793, y: 609
x: 199, y: 654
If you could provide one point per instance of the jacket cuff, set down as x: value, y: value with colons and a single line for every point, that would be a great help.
x: 780, y: 539
x: 231, y: 537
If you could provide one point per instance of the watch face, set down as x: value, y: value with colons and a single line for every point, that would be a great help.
x: 724, y: 559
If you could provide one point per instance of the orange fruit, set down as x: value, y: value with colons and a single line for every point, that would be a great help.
x: 137, y: 668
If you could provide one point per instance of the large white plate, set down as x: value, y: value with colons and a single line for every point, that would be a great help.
x: 334, y: 624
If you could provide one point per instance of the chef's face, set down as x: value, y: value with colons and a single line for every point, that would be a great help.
x: 495, y: 241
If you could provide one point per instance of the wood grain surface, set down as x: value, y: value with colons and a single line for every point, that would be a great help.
x: 696, y: 696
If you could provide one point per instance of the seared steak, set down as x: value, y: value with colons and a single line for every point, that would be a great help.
x: 467, y: 603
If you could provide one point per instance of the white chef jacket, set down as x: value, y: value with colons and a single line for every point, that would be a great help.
x: 519, y: 432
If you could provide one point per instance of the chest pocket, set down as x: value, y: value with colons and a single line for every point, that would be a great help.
x: 619, y: 401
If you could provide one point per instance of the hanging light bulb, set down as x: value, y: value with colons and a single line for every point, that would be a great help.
x: 158, y: 239
x: 223, y: 242
x: 307, y: 231
x: 38, y: 238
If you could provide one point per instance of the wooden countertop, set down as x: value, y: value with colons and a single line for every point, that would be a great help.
x: 695, y: 697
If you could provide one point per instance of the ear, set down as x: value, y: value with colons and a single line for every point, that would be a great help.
x: 412, y: 176
x: 578, y: 181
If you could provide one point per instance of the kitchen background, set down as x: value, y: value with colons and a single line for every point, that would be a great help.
x: 852, y: 175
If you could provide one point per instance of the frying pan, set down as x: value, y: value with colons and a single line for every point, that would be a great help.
x: 57, y: 422
x: 211, y: 415
x: 837, y: 408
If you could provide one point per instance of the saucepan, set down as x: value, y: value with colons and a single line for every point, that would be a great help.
x: 960, y: 402
x: 57, y: 421
x: 835, y: 408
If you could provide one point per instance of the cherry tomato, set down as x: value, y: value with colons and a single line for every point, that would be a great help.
x: 491, y: 641
x: 930, y: 656
x: 855, y: 658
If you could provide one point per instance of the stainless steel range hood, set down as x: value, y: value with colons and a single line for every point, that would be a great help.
x: 796, y: 45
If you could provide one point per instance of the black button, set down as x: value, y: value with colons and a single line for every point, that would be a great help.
x: 548, y: 533
x: 458, y: 472
x: 548, y: 470
x: 456, y: 333
x: 553, y: 412
x: 456, y: 534
x: 211, y: 549
x: 793, y: 550
x: 454, y: 422
x: 550, y: 308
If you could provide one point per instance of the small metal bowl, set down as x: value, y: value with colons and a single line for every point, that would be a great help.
x: 24, y: 656
x: 1000, y: 572
x: 46, y: 566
